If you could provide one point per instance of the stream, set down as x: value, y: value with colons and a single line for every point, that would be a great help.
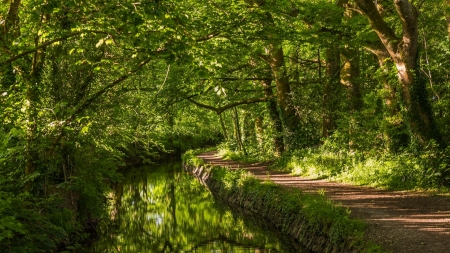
x: 164, y: 209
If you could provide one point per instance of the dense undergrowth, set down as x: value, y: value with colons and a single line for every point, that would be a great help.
x: 284, y: 207
x: 229, y: 151
x: 427, y: 169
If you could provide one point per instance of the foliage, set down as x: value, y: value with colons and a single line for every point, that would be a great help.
x: 30, y: 224
x: 230, y: 151
x: 88, y: 87
x: 428, y: 169
x: 190, y: 158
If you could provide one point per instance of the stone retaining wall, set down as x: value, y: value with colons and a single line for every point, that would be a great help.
x: 290, y: 224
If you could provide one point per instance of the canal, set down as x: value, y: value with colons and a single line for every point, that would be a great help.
x: 164, y: 209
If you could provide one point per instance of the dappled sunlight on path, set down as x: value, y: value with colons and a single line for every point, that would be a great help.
x: 399, y: 221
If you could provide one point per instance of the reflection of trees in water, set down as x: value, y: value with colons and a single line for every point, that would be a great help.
x: 165, y: 210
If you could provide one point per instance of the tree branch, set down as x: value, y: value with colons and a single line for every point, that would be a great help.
x: 383, y: 30
x: 209, y: 36
x: 221, y: 109
x: 408, y: 15
x: 89, y: 101
x: 212, y: 108
x: 111, y: 85
x: 244, y: 79
x: 45, y: 44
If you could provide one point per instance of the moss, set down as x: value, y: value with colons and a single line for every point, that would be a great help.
x: 190, y: 159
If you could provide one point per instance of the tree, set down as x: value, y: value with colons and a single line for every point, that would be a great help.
x: 404, y: 52
x: 447, y: 16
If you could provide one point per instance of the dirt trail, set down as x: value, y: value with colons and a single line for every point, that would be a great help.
x: 398, y: 221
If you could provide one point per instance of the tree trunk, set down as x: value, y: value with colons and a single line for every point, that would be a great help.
x: 395, y: 131
x: 447, y: 16
x: 248, y: 134
x: 259, y: 130
x: 224, y: 129
x: 9, y: 27
x: 404, y: 52
x: 351, y: 69
x: 275, y: 58
x: 237, y: 130
x: 275, y: 118
x: 32, y: 99
x: 330, y: 89
x: 349, y: 78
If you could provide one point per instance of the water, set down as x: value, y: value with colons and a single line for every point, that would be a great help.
x: 163, y: 209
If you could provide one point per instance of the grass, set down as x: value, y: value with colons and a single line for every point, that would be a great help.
x: 190, y: 158
x: 228, y: 151
x: 425, y: 171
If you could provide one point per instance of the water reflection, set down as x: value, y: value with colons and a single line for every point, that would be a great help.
x: 163, y: 209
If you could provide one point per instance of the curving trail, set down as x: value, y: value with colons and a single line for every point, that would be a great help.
x: 402, y: 222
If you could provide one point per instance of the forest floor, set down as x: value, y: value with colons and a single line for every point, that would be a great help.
x: 399, y: 221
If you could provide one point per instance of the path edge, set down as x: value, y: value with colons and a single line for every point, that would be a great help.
x: 299, y: 228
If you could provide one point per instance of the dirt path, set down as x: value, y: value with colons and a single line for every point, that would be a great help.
x: 398, y: 221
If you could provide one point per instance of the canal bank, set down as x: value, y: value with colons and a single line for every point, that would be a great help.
x: 311, y: 220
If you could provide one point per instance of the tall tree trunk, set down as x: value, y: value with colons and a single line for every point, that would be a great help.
x: 275, y: 58
x: 447, y: 16
x: 9, y: 28
x: 395, y: 132
x: 224, y: 129
x: 248, y: 133
x: 259, y: 131
x: 274, y: 117
x: 32, y: 99
x: 404, y: 52
x: 349, y: 78
x: 330, y: 88
x: 351, y: 69
x: 9, y: 31
x: 237, y: 130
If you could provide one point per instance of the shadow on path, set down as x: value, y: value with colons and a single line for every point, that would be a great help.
x: 399, y: 221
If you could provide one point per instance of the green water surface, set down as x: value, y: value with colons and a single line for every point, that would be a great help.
x: 163, y: 209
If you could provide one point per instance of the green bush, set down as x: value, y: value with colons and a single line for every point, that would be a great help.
x: 427, y: 169
x: 30, y: 224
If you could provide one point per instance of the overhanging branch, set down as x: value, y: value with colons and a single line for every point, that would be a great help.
x: 89, y: 101
x: 48, y: 43
x: 221, y: 109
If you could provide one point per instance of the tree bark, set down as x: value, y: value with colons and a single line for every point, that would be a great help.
x: 395, y: 131
x: 274, y: 117
x: 330, y: 88
x: 349, y: 78
x: 404, y: 52
x: 237, y: 129
x: 11, y: 22
x: 275, y: 58
x: 351, y: 69
x: 248, y: 133
x: 224, y: 129
x: 32, y: 99
x: 259, y: 130
x: 447, y: 16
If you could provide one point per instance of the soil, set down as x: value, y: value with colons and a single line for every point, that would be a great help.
x: 398, y: 221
